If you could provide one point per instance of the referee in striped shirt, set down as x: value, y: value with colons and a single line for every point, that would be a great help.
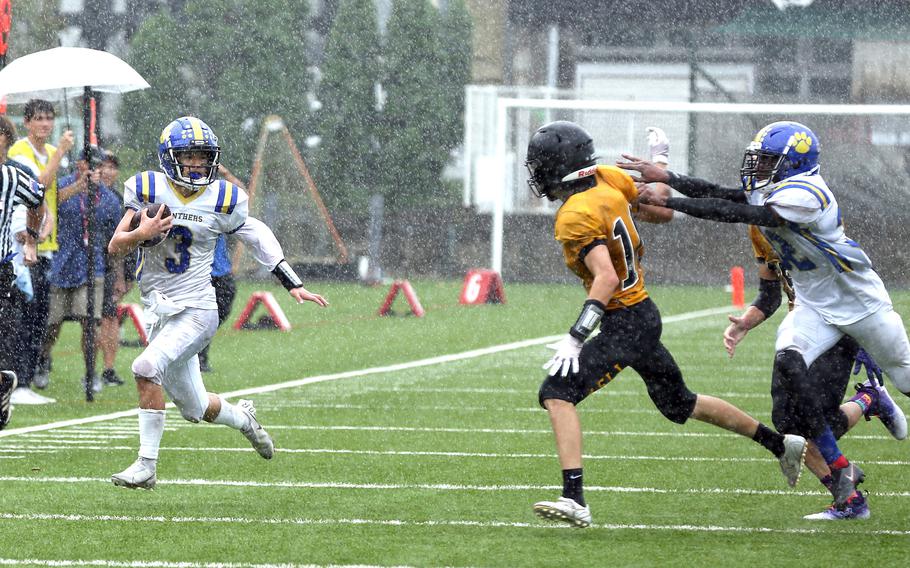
x: 16, y: 188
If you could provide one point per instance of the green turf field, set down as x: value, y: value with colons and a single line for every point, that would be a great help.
x: 437, y: 462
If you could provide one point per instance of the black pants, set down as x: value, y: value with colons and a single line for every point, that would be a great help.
x: 225, y: 290
x: 629, y: 337
x: 10, y: 337
x: 34, y: 320
x: 830, y: 375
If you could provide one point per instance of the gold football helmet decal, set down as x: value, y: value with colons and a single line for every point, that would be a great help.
x: 803, y: 143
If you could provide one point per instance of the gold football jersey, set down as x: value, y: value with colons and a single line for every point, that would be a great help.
x: 602, y: 215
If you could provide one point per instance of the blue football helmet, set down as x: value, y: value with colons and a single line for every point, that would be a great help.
x: 779, y: 151
x: 184, y: 135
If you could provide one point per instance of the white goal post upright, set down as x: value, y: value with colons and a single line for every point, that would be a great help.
x: 504, y: 105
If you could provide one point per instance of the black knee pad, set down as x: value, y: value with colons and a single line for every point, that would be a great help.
x: 560, y: 388
x: 675, y: 401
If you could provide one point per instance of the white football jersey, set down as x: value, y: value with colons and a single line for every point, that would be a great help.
x: 831, y: 273
x: 181, y: 266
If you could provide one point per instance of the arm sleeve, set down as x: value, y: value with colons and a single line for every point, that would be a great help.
x: 28, y: 191
x: 695, y: 187
x: 261, y: 241
x: 725, y: 211
x: 130, y: 199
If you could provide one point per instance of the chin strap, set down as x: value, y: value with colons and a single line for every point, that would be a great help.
x: 287, y: 276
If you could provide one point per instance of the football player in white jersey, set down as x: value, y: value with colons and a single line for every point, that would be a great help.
x: 837, y: 291
x: 176, y: 289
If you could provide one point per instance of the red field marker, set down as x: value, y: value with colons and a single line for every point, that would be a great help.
x: 738, y: 283
x: 134, y: 312
x: 409, y: 294
x: 276, y: 314
x: 482, y: 286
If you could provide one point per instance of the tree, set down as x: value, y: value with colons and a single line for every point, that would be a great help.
x: 413, y: 153
x: 250, y: 62
x: 145, y: 113
x: 457, y: 53
x: 345, y: 166
x: 35, y: 27
x: 246, y: 62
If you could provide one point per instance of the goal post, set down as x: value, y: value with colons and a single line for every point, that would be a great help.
x: 711, y: 135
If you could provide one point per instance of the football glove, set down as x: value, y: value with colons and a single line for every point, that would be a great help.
x: 566, y: 357
x: 873, y: 371
x: 659, y: 145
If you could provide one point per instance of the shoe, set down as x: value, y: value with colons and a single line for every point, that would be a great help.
x: 26, y: 396
x: 8, y: 382
x: 844, y: 482
x: 140, y: 475
x: 204, y: 366
x: 791, y: 461
x: 110, y: 378
x: 884, y: 407
x: 96, y: 384
x: 854, y: 508
x: 565, y: 510
x: 254, y: 431
x: 42, y: 379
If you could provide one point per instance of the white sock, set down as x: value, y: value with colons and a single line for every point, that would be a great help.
x: 231, y: 416
x: 151, y: 429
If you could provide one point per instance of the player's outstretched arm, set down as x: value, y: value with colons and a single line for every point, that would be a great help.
x: 267, y: 251
x: 764, y: 306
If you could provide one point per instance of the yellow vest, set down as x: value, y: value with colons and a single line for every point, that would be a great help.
x: 24, y: 149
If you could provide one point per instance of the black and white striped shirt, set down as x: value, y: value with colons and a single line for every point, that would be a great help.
x: 16, y: 188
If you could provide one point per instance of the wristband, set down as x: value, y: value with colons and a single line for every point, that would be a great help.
x: 32, y: 233
x: 287, y: 276
x: 588, y: 320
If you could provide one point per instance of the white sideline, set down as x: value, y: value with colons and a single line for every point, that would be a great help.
x: 163, y: 564
x: 437, y: 487
x: 471, y: 354
x: 30, y: 449
x: 388, y: 522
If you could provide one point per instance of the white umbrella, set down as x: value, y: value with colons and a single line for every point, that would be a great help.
x: 64, y: 71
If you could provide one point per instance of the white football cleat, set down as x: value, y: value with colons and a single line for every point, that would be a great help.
x: 254, y: 431
x: 140, y: 475
x: 791, y: 461
x: 564, y: 510
x: 26, y: 396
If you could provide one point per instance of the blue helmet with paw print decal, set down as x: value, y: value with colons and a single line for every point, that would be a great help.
x: 779, y: 151
x: 188, y: 134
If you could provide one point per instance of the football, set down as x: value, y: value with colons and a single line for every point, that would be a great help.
x: 151, y: 211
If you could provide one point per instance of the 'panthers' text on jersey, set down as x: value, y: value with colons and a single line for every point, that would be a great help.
x: 602, y: 216
x: 181, y: 266
x: 831, y: 273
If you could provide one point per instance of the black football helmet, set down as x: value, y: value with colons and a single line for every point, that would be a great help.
x: 559, y: 154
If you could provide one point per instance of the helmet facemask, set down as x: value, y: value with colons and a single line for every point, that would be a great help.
x: 187, y: 175
x: 761, y: 168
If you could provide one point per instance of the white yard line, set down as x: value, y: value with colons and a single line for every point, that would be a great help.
x: 454, y: 487
x: 415, y: 453
x: 163, y: 564
x: 829, y: 529
x: 471, y: 354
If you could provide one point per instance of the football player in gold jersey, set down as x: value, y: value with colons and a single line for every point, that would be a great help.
x: 602, y: 247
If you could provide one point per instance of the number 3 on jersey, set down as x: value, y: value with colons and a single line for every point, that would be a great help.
x: 183, y: 239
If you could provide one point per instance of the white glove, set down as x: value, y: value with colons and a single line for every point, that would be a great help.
x: 659, y: 145
x: 566, y: 356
